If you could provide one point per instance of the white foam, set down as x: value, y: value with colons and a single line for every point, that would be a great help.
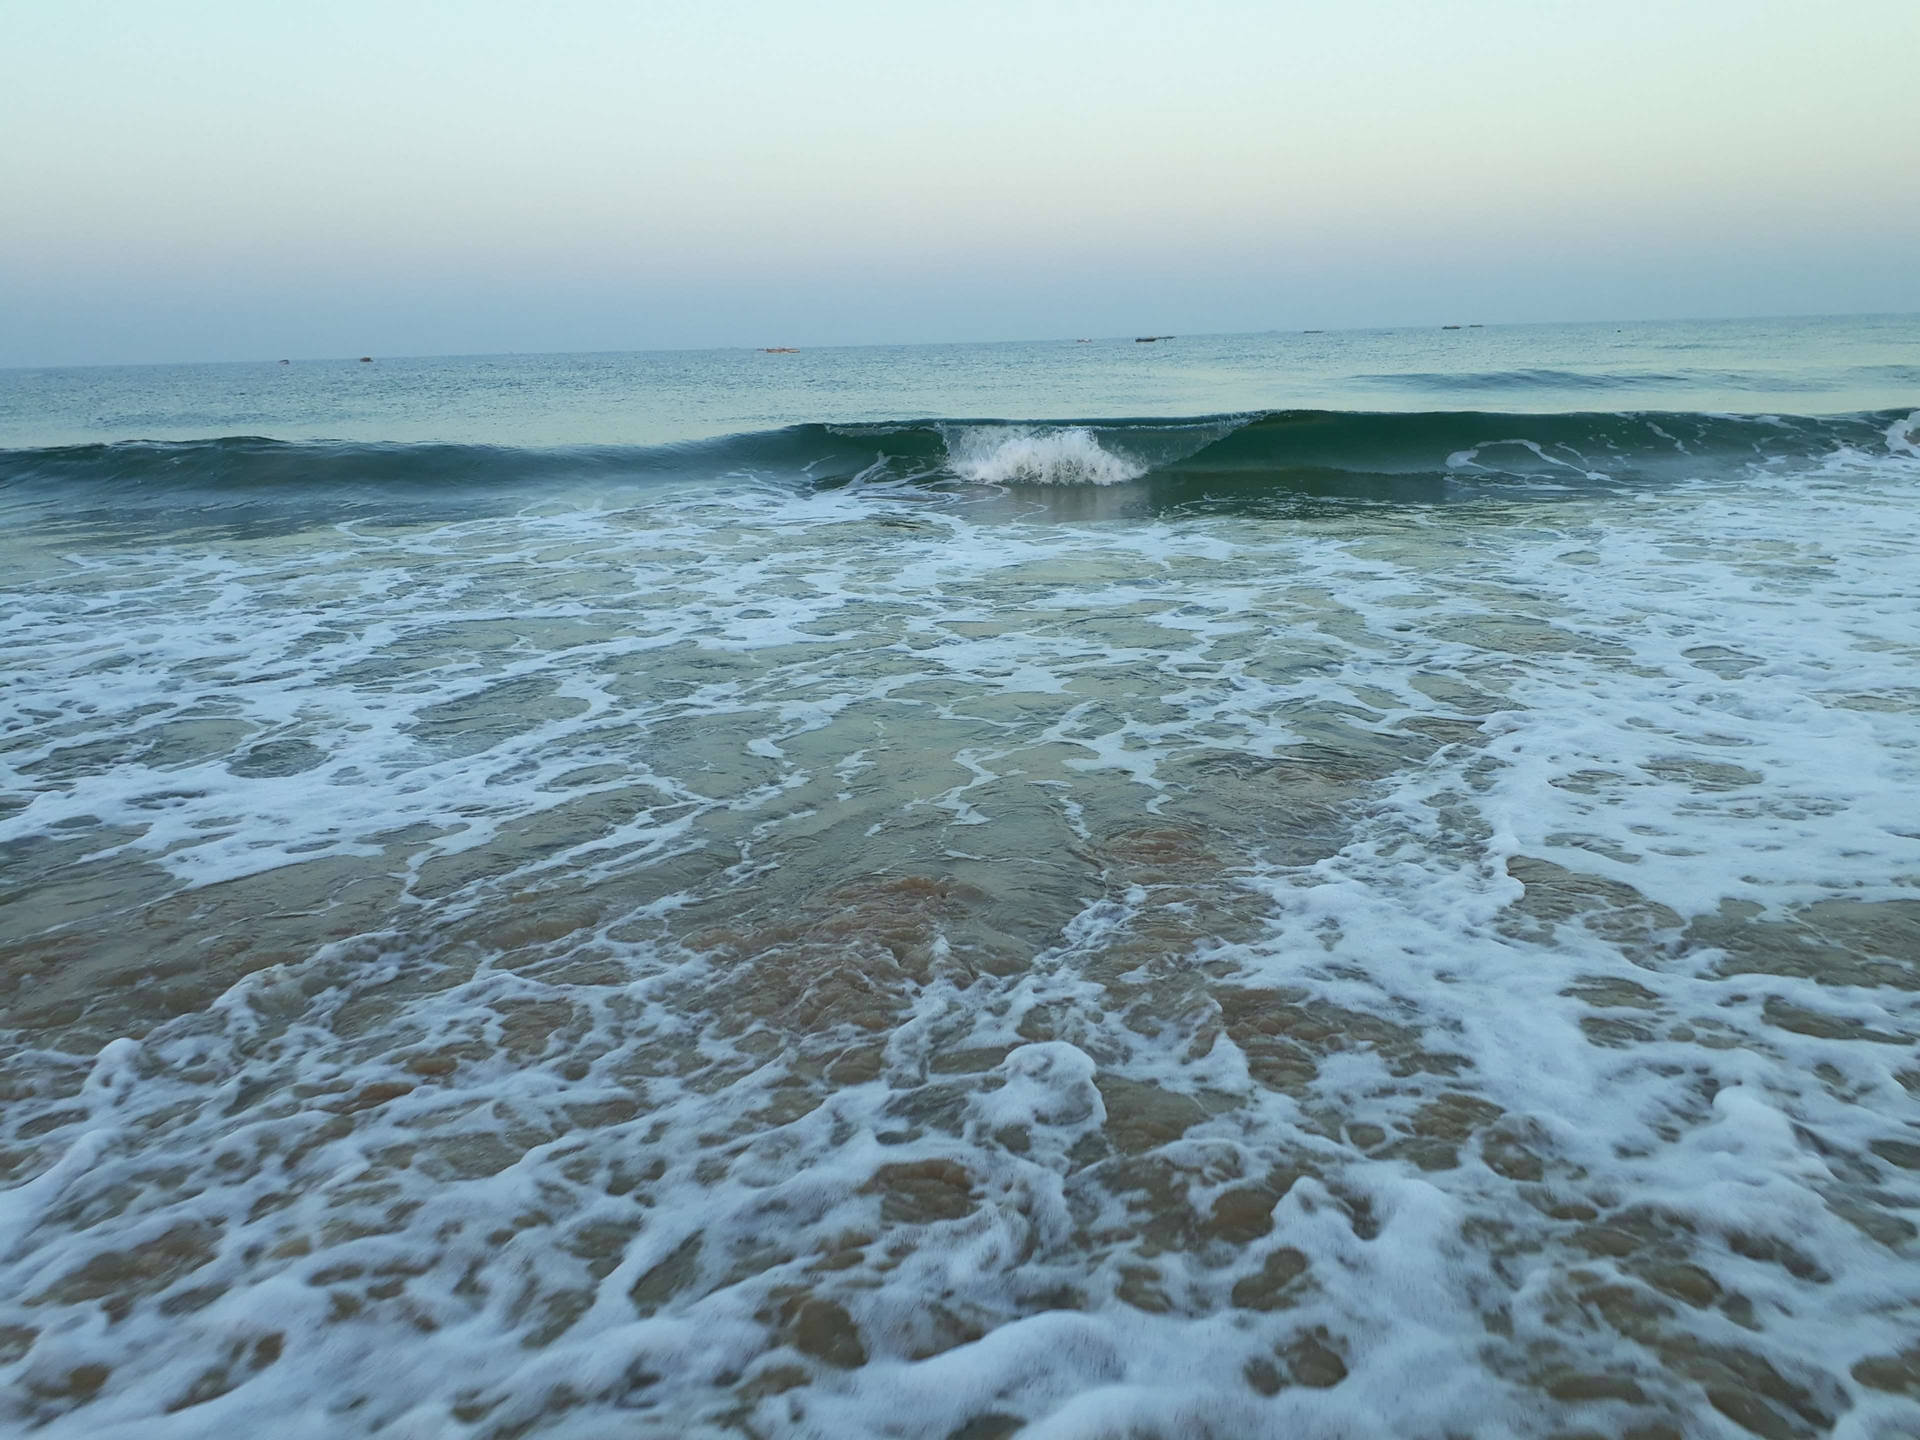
x: 751, y: 682
x: 1025, y: 455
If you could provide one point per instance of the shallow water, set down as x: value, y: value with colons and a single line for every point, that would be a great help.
x: 1020, y: 942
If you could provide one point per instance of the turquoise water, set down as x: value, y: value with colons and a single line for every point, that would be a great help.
x: 1796, y: 366
x: 1243, y: 886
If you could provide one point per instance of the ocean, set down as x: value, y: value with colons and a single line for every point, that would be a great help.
x: 1296, y: 885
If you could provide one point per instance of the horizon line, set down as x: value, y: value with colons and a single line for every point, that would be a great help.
x: 949, y: 344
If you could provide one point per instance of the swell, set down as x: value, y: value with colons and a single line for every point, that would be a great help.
x: 1440, y: 455
x: 1351, y: 454
x: 252, y: 462
x: 1602, y: 381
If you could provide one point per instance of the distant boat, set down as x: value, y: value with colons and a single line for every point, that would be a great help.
x: 366, y: 359
x: 1149, y: 339
x: 779, y: 349
x: 1313, y: 332
x: 1476, y: 326
x: 286, y: 362
x: 1449, y: 327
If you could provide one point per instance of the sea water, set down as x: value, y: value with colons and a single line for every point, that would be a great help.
x: 1291, y: 885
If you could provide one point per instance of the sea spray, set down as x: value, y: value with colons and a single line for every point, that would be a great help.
x: 1023, y: 455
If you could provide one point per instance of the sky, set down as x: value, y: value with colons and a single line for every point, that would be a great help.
x: 241, y: 179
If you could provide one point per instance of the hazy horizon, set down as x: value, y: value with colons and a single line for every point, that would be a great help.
x: 217, y: 183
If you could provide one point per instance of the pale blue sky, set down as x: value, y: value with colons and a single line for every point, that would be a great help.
x: 228, y: 179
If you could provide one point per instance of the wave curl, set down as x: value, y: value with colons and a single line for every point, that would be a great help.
x: 1415, y: 456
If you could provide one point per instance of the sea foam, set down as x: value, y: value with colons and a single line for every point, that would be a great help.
x: 837, y: 963
x: 1023, y: 455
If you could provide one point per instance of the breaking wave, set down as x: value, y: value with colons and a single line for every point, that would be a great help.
x: 1024, y: 455
x: 1424, y: 456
